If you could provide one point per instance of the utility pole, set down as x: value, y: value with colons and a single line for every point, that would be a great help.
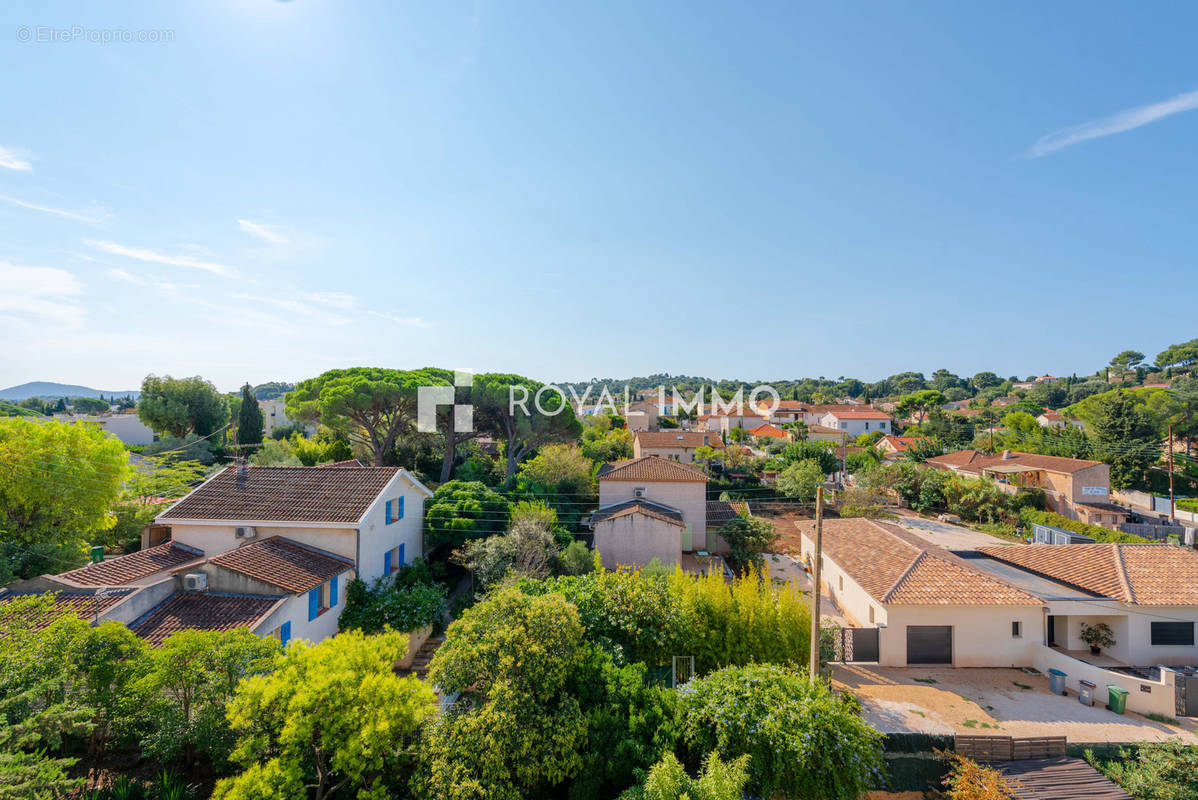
x: 817, y: 564
x: 991, y: 418
x: 1172, y: 506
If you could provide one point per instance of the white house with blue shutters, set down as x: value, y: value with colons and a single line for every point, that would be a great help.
x: 370, y: 519
x: 268, y: 548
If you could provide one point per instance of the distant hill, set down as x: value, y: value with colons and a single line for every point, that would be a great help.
x: 48, y: 390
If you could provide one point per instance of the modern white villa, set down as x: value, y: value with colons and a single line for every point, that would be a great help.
x: 1022, y: 606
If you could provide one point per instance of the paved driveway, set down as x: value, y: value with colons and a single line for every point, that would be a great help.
x: 785, y: 568
x: 989, y: 701
x: 945, y: 534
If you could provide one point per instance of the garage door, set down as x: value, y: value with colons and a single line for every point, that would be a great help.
x: 929, y: 644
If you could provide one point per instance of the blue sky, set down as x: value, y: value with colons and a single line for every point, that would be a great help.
x: 607, y: 189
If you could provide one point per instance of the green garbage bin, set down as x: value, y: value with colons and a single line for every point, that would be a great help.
x: 1117, y: 699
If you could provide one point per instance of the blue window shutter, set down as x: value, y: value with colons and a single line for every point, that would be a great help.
x: 285, y: 633
x: 402, y: 560
x: 333, y: 592
x: 399, y: 512
x: 313, y: 604
x: 387, y: 563
x: 388, y: 512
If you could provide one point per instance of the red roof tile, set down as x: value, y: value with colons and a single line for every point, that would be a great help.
x: 1147, y: 574
x: 285, y: 494
x: 201, y: 611
x: 678, y: 438
x: 895, y: 566
x: 651, y: 468
x: 126, y: 569
x: 85, y: 605
x: 283, y: 563
x: 975, y: 462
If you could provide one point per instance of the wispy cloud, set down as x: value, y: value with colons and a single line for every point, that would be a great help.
x: 295, y: 306
x: 92, y: 217
x: 155, y: 257
x: 341, y: 300
x: 43, y: 292
x: 1124, y: 121
x: 10, y: 159
x: 116, y: 273
x: 271, y: 234
x: 410, y: 322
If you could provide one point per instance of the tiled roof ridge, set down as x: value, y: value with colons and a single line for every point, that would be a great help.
x: 995, y: 551
x: 894, y: 587
x: 934, y: 551
x: 1121, y: 572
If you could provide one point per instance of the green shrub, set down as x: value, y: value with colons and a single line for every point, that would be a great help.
x: 802, y: 740
x: 1155, y: 771
x: 1030, y: 516
x: 387, y: 603
x: 668, y: 781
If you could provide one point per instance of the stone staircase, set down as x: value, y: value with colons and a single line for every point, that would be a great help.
x: 424, y: 655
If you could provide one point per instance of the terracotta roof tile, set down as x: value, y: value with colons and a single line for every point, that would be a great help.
x: 974, y: 461
x: 126, y: 569
x: 285, y: 494
x: 283, y: 563
x: 895, y: 566
x: 1147, y: 574
x: 859, y: 414
x: 651, y: 468
x: 201, y: 611
x: 85, y: 605
x: 678, y: 438
x: 771, y: 431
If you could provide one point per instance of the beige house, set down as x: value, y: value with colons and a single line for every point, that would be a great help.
x: 1055, y: 419
x: 642, y: 416
x: 932, y: 606
x: 1076, y: 488
x: 673, y: 445
x: 727, y: 420
x: 893, y: 447
x: 822, y: 433
x: 650, y: 507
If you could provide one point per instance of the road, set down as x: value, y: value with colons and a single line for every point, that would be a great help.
x: 946, y: 534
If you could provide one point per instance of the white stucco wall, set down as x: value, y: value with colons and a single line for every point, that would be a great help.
x: 981, y: 634
x: 219, y: 538
x: 378, y: 537
x: 855, y: 427
x: 689, y: 497
x: 853, y: 600
x: 295, y: 610
x: 635, y: 539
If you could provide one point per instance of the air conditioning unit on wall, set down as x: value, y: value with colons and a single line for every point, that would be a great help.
x: 195, y: 582
x: 245, y: 532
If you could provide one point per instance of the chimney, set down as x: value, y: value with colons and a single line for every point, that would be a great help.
x: 1007, y: 455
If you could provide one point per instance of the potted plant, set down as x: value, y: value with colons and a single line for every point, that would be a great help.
x: 1097, y: 636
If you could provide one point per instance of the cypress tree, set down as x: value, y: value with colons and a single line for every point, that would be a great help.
x: 249, y: 419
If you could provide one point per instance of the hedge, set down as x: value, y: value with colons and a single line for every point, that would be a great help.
x: 1098, y: 534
